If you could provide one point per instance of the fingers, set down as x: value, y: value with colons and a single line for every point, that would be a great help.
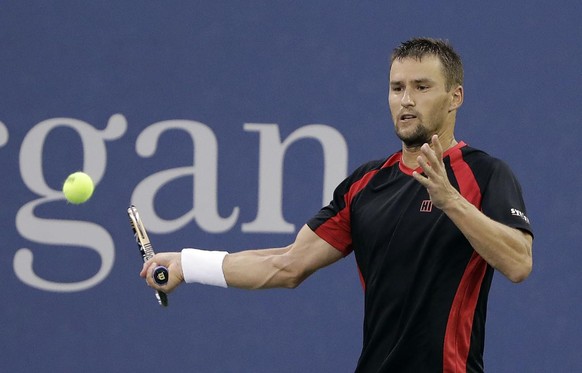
x: 172, y: 262
x: 144, y: 269
x: 433, y: 154
x: 148, y: 268
x: 148, y: 273
x: 427, y: 160
x: 434, y: 177
x: 436, y: 145
x: 421, y: 179
x: 430, y: 159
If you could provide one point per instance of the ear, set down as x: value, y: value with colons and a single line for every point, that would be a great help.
x: 457, y: 96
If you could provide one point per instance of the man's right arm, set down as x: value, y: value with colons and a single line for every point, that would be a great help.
x: 284, y: 267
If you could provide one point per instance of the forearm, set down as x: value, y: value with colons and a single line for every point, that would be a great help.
x: 506, y: 249
x: 261, y: 269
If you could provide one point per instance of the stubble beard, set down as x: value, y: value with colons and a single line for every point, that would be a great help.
x: 417, y: 138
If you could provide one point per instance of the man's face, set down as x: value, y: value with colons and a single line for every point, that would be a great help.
x: 419, y: 102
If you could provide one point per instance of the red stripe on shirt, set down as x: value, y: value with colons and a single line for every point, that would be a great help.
x: 336, y: 231
x: 460, y: 323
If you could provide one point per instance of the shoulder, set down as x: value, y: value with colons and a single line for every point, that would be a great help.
x: 487, y: 169
x: 481, y: 161
x: 377, y: 164
x: 370, y: 168
x: 365, y: 172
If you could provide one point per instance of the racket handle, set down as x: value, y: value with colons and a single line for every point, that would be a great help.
x: 160, y: 275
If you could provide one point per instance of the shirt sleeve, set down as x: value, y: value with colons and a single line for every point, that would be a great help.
x: 332, y: 223
x: 502, y: 199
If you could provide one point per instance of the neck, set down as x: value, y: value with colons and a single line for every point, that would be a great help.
x: 411, y: 153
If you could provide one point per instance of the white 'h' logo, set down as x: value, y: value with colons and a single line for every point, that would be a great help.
x: 426, y: 206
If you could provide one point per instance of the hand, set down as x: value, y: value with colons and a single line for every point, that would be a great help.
x: 436, y: 181
x: 173, y: 262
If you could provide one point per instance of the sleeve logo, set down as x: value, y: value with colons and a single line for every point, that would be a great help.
x: 516, y: 212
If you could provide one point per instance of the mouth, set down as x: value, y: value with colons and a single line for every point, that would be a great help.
x: 407, y: 117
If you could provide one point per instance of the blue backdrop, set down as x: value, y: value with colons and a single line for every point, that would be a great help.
x: 226, y: 122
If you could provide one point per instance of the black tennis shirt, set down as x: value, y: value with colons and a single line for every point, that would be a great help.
x: 425, y: 287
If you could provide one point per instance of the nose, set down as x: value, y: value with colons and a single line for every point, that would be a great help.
x: 407, y: 99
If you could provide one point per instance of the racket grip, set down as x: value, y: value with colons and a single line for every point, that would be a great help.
x: 160, y: 275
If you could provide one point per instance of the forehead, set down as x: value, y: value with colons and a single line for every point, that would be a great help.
x: 412, y: 69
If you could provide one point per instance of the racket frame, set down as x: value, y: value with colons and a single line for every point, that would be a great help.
x: 145, y: 247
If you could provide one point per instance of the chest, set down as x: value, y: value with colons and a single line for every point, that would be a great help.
x: 399, y: 236
x: 392, y: 201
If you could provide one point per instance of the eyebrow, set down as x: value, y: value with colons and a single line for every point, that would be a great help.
x: 416, y: 81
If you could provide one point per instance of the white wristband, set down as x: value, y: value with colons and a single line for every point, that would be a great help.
x: 203, y: 267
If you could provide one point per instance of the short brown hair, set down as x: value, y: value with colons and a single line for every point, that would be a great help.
x: 417, y: 48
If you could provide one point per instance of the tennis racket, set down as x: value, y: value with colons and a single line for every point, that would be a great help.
x: 147, y: 252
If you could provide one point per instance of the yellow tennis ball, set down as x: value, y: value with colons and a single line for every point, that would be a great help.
x: 78, y: 187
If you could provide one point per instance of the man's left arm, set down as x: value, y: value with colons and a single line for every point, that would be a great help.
x: 507, y: 249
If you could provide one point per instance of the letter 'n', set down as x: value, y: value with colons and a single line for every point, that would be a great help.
x: 271, y: 159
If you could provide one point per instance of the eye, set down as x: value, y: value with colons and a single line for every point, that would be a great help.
x: 396, y: 88
x: 422, y: 87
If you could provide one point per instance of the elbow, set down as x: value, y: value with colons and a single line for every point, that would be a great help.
x: 292, y: 270
x: 523, y: 266
x: 521, y: 272
x: 295, y: 278
x: 519, y: 276
x: 293, y: 283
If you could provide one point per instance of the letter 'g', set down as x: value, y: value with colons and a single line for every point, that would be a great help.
x: 63, y: 232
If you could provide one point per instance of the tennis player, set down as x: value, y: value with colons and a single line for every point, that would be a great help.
x: 428, y: 226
